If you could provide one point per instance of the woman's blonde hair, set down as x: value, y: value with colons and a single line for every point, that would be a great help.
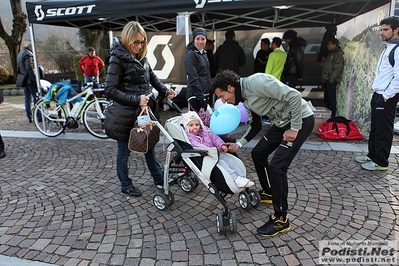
x: 129, y: 35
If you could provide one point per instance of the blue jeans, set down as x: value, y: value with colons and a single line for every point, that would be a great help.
x: 330, y: 96
x: 122, y: 169
x: 30, y: 92
x: 92, y: 78
x: 291, y: 81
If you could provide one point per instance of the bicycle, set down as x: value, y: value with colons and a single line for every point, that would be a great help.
x: 55, y: 118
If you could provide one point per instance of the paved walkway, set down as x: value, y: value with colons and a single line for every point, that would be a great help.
x: 60, y: 204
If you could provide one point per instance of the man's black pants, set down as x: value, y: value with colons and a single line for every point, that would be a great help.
x: 381, y: 129
x: 273, y: 176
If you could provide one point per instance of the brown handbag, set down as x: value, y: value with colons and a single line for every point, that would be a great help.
x: 145, y: 136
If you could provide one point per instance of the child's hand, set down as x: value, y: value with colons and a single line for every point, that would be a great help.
x: 224, y: 148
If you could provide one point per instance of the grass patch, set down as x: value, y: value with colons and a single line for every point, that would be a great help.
x: 20, y: 99
x: 7, y: 86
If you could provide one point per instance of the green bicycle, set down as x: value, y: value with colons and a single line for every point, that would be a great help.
x: 55, y: 118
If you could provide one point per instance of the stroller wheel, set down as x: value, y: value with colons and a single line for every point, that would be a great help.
x: 254, y: 197
x: 161, y: 201
x: 186, y: 184
x: 171, y: 198
x: 244, y: 200
x: 195, y: 180
x: 219, y: 223
x: 233, y: 222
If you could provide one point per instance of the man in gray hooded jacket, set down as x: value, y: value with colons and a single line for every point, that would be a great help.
x: 293, y: 121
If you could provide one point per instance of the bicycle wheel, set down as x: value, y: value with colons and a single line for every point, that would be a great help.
x: 53, y: 118
x: 93, y: 118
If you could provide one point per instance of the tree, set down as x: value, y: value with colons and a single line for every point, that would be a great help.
x: 13, y: 41
x: 94, y: 38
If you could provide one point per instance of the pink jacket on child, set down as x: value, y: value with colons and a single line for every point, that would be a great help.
x: 204, y: 138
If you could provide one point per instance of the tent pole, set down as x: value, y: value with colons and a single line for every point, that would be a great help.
x: 392, y: 8
x: 32, y: 36
x: 110, y: 36
x: 187, y: 22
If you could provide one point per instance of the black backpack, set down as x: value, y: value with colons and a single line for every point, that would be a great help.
x: 391, y: 56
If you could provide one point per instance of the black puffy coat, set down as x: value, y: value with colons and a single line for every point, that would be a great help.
x: 127, y: 79
x: 294, y: 63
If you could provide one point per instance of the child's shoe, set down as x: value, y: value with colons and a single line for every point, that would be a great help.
x: 243, y: 182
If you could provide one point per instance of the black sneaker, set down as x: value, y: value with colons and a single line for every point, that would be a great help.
x: 132, y: 192
x: 274, y: 226
x: 264, y: 197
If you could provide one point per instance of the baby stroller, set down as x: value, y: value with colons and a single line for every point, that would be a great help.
x: 200, y: 163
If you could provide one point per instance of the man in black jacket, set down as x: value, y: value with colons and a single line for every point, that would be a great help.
x: 262, y: 56
x: 26, y: 67
x: 230, y: 55
x: 293, y: 68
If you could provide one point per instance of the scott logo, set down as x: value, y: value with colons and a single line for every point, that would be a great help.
x: 201, y: 3
x: 166, y: 54
x: 62, y: 11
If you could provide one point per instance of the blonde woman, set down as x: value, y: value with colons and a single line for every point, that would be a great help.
x: 128, y: 81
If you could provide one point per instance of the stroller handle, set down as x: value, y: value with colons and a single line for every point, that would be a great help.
x: 169, y: 102
x: 174, y: 106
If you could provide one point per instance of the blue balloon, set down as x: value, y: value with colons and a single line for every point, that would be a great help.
x: 225, y: 119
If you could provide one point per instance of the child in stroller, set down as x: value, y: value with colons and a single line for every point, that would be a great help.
x: 200, y: 136
x: 202, y: 164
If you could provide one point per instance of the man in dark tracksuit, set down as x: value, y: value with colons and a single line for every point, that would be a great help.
x: 383, y: 101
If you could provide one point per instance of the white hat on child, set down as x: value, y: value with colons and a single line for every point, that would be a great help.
x: 188, y: 117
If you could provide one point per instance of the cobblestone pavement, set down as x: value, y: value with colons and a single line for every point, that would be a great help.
x: 60, y: 203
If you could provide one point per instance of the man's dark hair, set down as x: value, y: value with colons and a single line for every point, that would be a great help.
x: 229, y: 35
x: 277, y: 41
x: 334, y: 41
x: 266, y: 41
x: 91, y: 49
x: 392, y: 21
x: 224, y: 78
x: 290, y: 34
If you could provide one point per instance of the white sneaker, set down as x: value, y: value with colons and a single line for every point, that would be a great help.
x: 362, y: 159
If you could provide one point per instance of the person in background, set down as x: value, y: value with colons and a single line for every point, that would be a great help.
x: 91, y: 65
x: 209, y: 47
x: 198, y: 72
x: 230, y: 55
x: 384, y: 101
x: 262, y: 56
x: 2, y: 148
x: 277, y: 58
x: 293, y: 68
x: 201, y: 136
x: 127, y: 85
x: 26, y: 66
x: 293, y: 121
x: 331, y: 75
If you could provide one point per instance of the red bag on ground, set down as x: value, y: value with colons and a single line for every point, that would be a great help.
x: 339, y: 128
